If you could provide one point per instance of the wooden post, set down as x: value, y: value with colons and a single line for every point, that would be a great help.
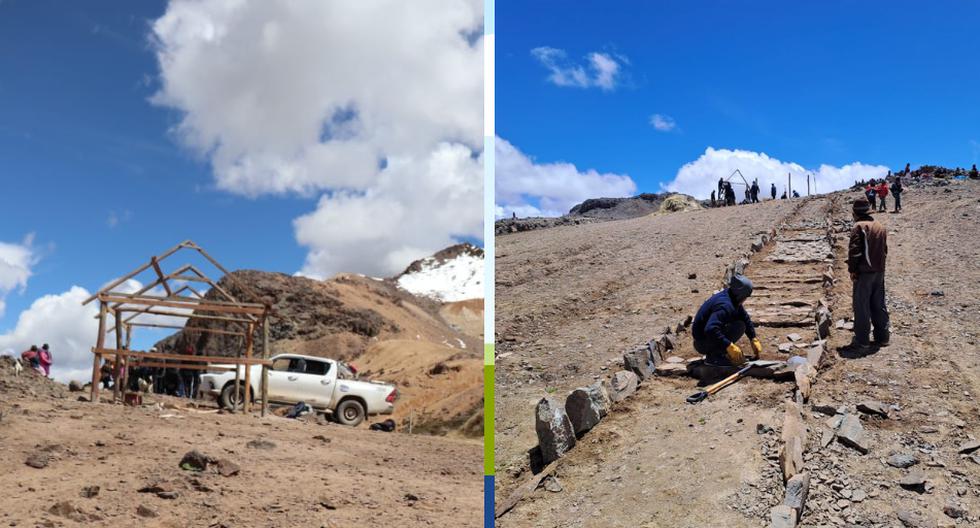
x: 119, y: 386
x: 265, y: 369
x: 789, y: 186
x: 97, y: 359
x: 808, y: 185
x: 247, y: 406
x: 238, y: 385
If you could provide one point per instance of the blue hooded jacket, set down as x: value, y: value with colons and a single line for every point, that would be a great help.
x: 715, y: 313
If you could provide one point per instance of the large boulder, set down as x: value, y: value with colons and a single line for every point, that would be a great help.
x: 554, y: 429
x: 639, y: 362
x: 586, y: 406
x: 75, y: 386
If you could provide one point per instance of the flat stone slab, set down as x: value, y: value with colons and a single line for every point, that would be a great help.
x: 874, y: 408
x: 851, y: 433
x: 969, y: 447
x: 902, y: 461
x: 671, y: 369
x: 797, y: 489
x: 782, y: 516
x: 914, y: 480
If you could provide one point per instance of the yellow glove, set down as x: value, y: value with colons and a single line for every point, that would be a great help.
x: 735, y: 354
x: 756, y: 346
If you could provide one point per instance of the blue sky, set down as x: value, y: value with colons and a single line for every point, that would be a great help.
x: 80, y: 145
x: 126, y: 127
x: 880, y: 83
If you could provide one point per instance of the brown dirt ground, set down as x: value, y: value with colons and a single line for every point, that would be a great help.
x: 570, y: 300
x: 364, y: 476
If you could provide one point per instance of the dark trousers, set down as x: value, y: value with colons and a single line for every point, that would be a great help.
x: 898, y: 201
x: 871, y: 200
x: 869, y: 308
x: 881, y: 203
x: 715, y: 349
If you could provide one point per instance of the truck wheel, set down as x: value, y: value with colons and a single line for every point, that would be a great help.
x: 230, y: 398
x: 349, y: 412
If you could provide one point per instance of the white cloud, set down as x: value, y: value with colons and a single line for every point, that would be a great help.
x: 600, y: 69
x: 663, y: 123
x: 16, y: 261
x: 699, y: 177
x: 364, y: 101
x: 555, y: 187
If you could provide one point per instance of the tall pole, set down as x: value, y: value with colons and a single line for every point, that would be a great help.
x: 808, y: 185
x: 121, y: 377
x: 789, y: 185
x: 97, y: 359
x: 248, y: 369
x: 265, y: 368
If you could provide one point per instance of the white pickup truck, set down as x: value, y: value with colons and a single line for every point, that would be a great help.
x: 325, y: 384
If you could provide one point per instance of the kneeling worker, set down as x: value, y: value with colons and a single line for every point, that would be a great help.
x: 720, y: 323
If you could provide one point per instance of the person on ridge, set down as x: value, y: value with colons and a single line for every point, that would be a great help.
x: 720, y: 323
x: 867, y: 249
x: 772, y: 191
x: 882, y: 192
x: 45, y: 359
x: 897, y: 189
x: 870, y: 191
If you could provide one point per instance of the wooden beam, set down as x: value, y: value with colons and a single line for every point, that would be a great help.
x: 97, y: 358
x: 530, y: 485
x: 202, y: 306
x: 156, y: 268
x: 137, y: 271
x: 183, y: 357
x: 189, y: 329
x: 247, y: 406
x: 190, y: 366
x: 151, y: 311
x: 265, y: 368
x: 226, y: 272
x: 193, y: 302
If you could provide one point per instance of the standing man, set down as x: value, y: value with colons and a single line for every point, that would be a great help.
x: 712, y: 198
x: 866, y: 254
x: 721, y: 187
x: 755, y: 191
x: 870, y: 191
x: 882, y: 191
x: 897, y: 193
x: 772, y: 191
x: 722, y: 321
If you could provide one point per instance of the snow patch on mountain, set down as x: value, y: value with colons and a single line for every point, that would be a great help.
x: 453, y: 274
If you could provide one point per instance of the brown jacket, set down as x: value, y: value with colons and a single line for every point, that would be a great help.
x: 868, y: 247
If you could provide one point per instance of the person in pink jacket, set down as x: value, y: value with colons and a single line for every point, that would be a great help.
x: 44, y: 356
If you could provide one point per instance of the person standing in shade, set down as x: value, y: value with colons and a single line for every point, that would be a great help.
x: 866, y: 253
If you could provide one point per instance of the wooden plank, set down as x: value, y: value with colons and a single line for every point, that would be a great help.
x: 189, y: 366
x: 156, y: 268
x: 247, y: 406
x: 191, y: 329
x: 188, y: 315
x: 265, y: 369
x: 118, y: 385
x: 184, y: 302
x: 137, y: 271
x: 97, y: 358
x: 184, y: 357
x: 524, y: 490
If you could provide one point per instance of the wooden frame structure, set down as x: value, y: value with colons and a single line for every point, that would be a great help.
x: 183, y: 302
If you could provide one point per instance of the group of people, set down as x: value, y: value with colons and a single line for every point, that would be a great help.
x: 726, y: 194
x: 39, y: 359
x: 722, y: 320
x: 173, y: 381
x: 877, y: 191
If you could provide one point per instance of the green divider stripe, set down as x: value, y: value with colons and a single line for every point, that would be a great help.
x: 488, y: 419
x: 488, y: 352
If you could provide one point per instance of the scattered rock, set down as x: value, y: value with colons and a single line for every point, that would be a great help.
x: 902, y: 461
x: 327, y: 503
x: 954, y: 511
x: 794, y: 337
x: 69, y: 511
x: 38, y: 460
x: 89, y: 491
x: 786, y: 347
x: 914, y: 480
x: 692, y: 276
x: 169, y: 495
x: 782, y: 516
x: 797, y: 489
x: 969, y: 447
x: 227, y: 468
x: 261, y: 443
x: 824, y: 407
x: 145, y: 511
x: 937, y: 293
x: 873, y: 407
x: 195, y: 461
x: 75, y: 386
x: 551, y: 484
x: 622, y: 385
x: 639, y: 362
x: 851, y: 433
x: 859, y: 495
x: 322, y: 438
x: 586, y: 406
x: 554, y: 430
x: 671, y: 369
x: 915, y: 519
